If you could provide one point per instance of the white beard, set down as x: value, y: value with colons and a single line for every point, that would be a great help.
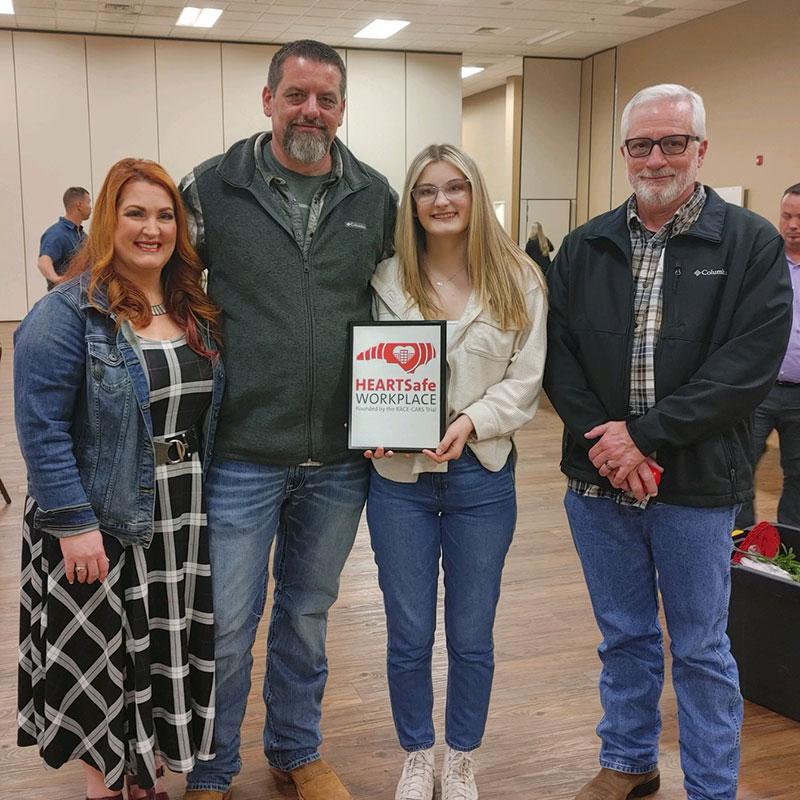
x: 662, y: 195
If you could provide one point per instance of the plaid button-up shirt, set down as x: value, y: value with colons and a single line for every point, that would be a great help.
x: 647, y: 265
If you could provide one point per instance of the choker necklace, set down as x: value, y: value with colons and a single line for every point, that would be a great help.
x: 158, y: 310
x: 443, y: 283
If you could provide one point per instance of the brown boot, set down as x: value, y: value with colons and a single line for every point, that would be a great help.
x: 609, y: 784
x: 314, y: 781
x: 206, y: 794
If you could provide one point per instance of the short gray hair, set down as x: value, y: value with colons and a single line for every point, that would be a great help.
x: 668, y: 91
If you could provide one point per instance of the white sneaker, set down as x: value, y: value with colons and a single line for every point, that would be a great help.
x: 416, y: 782
x: 458, y: 778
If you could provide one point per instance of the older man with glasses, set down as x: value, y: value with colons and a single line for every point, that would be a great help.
x: 668, y: 319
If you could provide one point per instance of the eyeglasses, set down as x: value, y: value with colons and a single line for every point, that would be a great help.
x: 670, y: 145
x: 426, y: 193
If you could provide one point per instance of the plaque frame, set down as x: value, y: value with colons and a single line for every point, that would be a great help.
x: 382, y: 352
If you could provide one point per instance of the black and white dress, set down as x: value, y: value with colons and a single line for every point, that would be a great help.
x: 121, y: 673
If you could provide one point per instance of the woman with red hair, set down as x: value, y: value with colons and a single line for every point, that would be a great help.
x: 117, y: 388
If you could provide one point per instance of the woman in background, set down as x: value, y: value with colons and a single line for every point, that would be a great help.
x: 539, y: 247
x: 117, y: 387
x: 454, y: 262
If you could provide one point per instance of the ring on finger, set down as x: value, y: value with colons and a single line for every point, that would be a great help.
x: 607, y: 466
x: 80, y: 569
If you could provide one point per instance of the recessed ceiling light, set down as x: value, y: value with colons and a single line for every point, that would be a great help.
x: 551, y: 39
x: 6, y: 7
x: 192, y: 17
x: 541, y: 36
x: 467, y: 71
x: 381, y: 29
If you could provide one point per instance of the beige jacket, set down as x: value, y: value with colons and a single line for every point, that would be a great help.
x: 494, y: 376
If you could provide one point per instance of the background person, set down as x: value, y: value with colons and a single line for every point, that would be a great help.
x: 290, y: 225
x: 668, y: 319
x: 453, y: 262
x: 60, y: 241
x: 539, y: 247
x: 781, y: 409
x: 117, y: 384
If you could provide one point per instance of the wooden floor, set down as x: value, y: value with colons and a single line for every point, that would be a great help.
x: 540, y: 742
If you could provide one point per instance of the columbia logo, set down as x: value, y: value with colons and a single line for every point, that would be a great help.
x: 704, y: 272
x: 360, y: 225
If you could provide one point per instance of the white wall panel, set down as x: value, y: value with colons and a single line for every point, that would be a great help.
x: 189, y: 86
x: 550, y: 112
x: 13, y: 302
x: 433, y: 101
x: 53, y: 132
x: 244, y: 76
x: 376, y: 113
x: 122, y: 102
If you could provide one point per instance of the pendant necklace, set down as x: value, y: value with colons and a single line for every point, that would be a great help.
x: 452, y: 277
x: 158, y: 310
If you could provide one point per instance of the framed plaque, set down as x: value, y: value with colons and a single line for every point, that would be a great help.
x: 397, y: 385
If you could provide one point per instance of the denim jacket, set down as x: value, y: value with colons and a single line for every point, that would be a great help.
x: 82, y: 401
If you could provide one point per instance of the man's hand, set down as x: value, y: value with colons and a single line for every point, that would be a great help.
x: 640, y: 481
x: 614, y: 451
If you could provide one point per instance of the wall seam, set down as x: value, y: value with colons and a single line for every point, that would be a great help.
x: 155, y: 90
x: 520, y: 232
x: 19, y: 170
x: 88, y: 113
x: 613, y: 132
x: 222, y: 99
x: 591, y: 139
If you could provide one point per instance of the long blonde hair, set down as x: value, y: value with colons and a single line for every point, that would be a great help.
x: 538, y: 234
x: 497, y: 266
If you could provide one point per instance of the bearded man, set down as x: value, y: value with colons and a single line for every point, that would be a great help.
x: 290, y: 226
x: 668, y: 321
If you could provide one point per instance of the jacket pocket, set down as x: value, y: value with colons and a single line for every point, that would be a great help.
x: 485, y: 338
x: 107, y: 366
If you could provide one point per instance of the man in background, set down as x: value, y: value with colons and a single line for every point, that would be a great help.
x: 781, y: 409
x: 63, y: 238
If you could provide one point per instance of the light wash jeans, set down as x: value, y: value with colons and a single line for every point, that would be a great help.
x: 466, y: 516
x: 312, y: 513
x: 628, y: 554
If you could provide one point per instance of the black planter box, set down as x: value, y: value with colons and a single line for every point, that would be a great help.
x: 764, y: 629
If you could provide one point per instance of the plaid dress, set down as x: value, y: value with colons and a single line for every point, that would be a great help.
x: 120, y: 673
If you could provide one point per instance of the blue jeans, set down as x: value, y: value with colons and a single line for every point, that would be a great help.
x: 780, y: 411
x: 467, y: 516
x: 627, y: 555
x: 312, y: 513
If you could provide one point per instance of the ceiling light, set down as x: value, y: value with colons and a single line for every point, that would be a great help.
x: 6, y: 7
x: 551, y: 39
x: 198, y: 17
x: 467, y: 71
x: 541, y: 36
x: 381, y: 29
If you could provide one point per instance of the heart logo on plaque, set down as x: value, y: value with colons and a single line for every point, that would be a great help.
x: 408, y: 355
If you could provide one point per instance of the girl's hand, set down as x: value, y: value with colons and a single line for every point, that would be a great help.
x: 84, y: 557
x: 378, y: 452
x: 453, y: 441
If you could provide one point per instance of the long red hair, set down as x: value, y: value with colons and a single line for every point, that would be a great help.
x: 184, y: 297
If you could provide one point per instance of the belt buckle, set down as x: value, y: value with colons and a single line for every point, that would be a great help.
x: 180, y: 446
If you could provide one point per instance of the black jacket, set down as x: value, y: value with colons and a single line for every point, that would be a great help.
x: 727, y: 312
